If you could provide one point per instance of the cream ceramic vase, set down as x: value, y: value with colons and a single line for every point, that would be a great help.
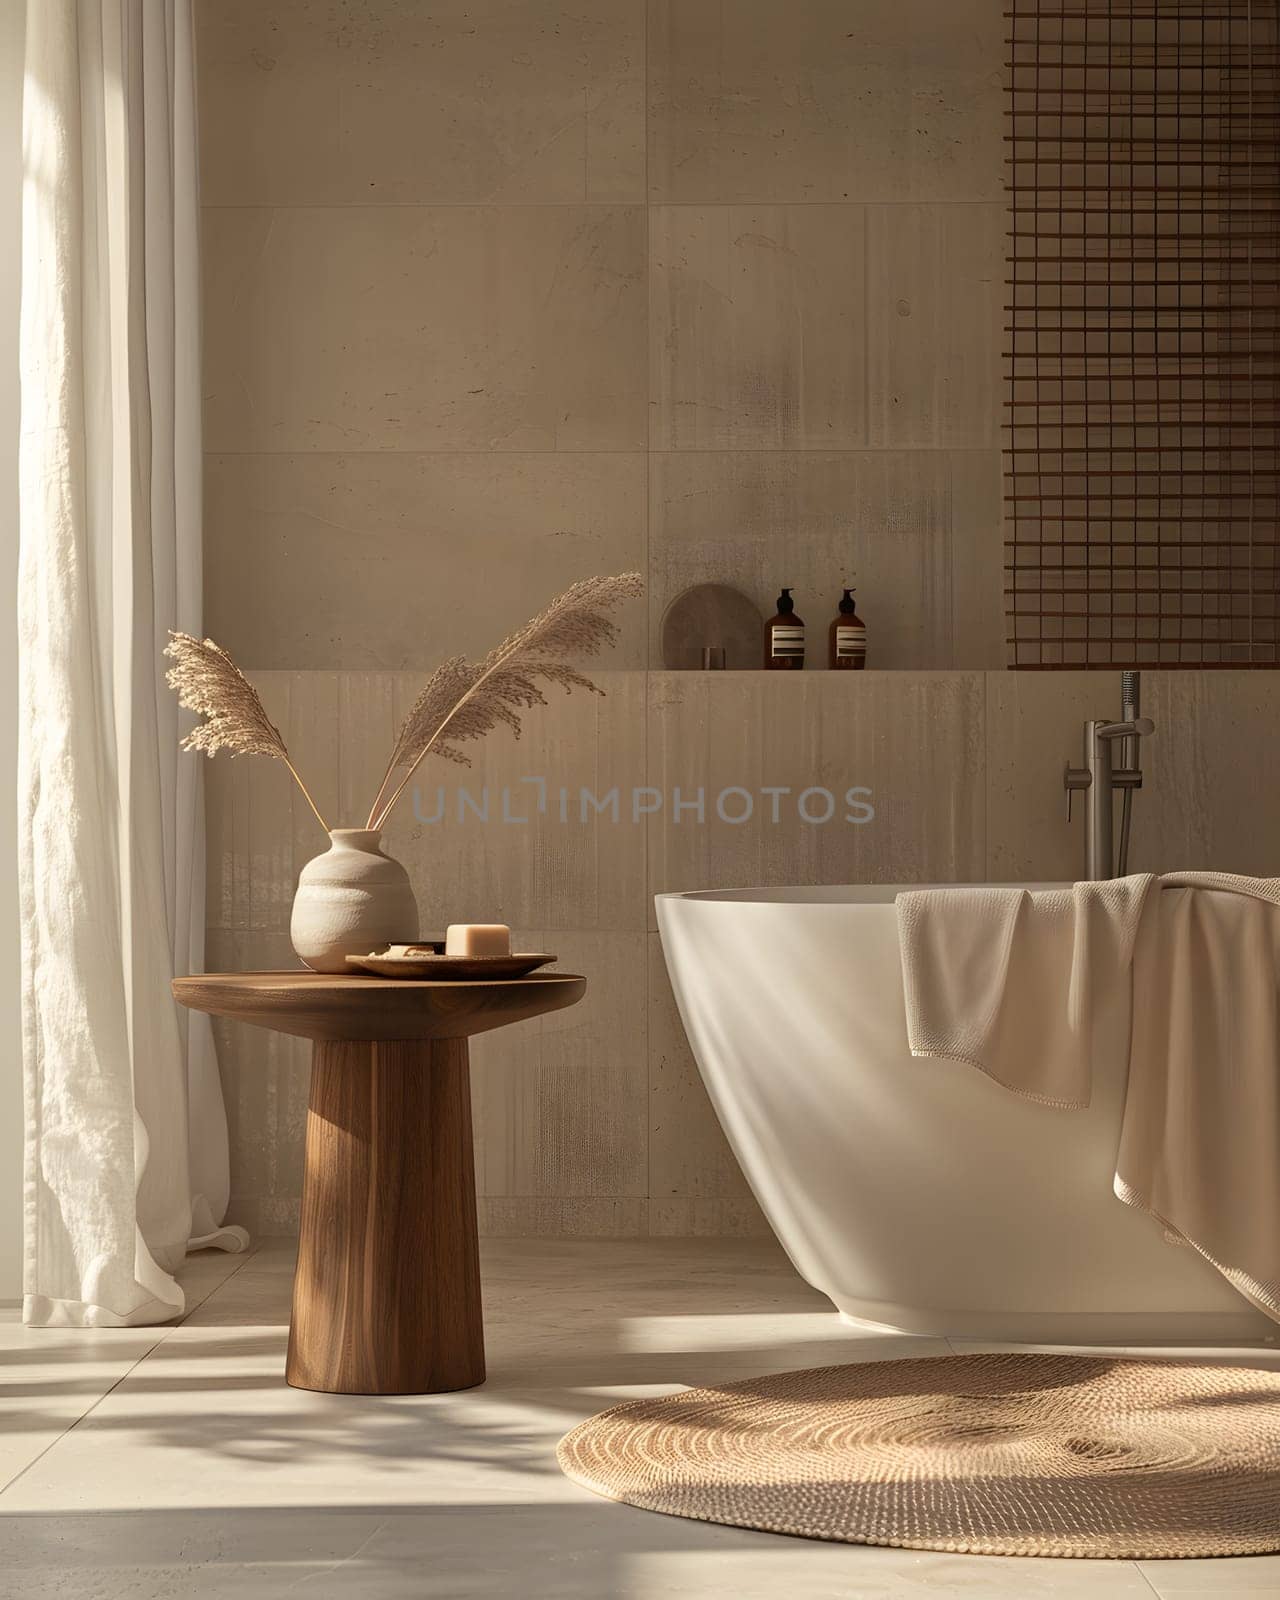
x: 349, y: 901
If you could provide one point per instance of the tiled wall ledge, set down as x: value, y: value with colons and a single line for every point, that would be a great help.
x: 594, y: 1120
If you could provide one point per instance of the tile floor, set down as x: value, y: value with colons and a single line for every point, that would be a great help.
x: 174, y: 1462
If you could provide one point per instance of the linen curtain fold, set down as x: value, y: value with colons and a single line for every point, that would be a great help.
x: 126, y: 1147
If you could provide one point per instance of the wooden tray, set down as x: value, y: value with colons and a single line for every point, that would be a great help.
x: 428, y: 963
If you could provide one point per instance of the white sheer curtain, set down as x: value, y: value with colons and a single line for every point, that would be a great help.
x: 126, y: 1148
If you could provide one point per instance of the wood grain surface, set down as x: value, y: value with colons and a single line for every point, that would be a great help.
x: 314, y: 1005
x: 386, y: 1299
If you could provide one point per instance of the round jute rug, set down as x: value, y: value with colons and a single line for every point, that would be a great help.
x: 1015, y: 1455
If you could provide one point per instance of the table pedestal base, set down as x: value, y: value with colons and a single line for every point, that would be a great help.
x: 386, y: 1299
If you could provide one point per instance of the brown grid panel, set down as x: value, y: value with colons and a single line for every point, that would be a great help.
x: 1142, y: 470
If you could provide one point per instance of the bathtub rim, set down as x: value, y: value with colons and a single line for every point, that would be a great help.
x: 833, y: 894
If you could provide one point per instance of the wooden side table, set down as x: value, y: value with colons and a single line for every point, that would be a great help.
x: 386, y: 1296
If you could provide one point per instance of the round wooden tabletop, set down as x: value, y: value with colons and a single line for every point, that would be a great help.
x: 317, y: 1005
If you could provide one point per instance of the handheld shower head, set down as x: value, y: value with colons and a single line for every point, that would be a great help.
x: 1130, y: 696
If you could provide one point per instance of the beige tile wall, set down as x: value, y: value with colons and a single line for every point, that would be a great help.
x: 312, y: 102
x: 504, y: 292
x: 415, y: 328
x: 824, y: 100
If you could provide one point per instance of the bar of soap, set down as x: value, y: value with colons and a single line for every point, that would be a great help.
x: 477, y: 939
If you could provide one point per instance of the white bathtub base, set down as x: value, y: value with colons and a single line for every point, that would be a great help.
x: 1247, y: 1329
x: 919, y: 1195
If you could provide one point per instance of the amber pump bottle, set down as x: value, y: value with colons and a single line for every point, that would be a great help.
x: 784, y: 638
x: 848, y: 638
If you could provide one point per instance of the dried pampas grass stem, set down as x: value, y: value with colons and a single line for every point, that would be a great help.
x: 464, y: 700
x: 208, y: 681
x: 461, y: 701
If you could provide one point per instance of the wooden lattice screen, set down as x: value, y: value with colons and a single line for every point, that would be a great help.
x: 1141, y: 449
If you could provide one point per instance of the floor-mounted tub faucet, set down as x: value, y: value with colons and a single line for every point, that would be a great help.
x: 1100, y: 779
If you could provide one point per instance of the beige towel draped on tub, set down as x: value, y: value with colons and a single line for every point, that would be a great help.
x: 1007, y: 979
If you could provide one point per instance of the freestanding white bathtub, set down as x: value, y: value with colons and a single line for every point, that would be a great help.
x: 919, y: 1194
